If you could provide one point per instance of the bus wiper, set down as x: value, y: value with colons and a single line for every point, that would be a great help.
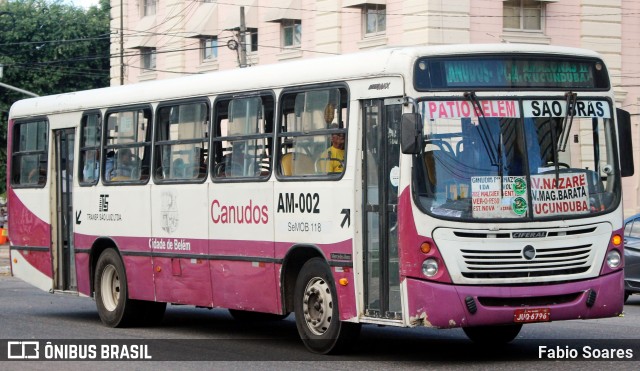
x: 571, y: 99
x: 483, y: 128
x: 500, y: 165
x: 565, y: 131
x: 556, y: 164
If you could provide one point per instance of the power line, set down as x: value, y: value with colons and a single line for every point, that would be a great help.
x: 184, y: 10
x: 449, y: 14
x: 341, y: 11
x: 105, y: 36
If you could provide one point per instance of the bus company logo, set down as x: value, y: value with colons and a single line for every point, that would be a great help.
x: 538, y: 234
x: 103, y: 212
x: 529, y: 252
x: 103, y: 205
x: 381, y: 86
x: 169, y: 212
x: 23, y: 350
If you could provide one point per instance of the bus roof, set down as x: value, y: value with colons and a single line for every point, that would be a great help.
x: 368, y: 64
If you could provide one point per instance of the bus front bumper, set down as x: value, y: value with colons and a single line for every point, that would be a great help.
x: 445, y: 306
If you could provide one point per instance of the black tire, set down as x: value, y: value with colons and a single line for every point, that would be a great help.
x: 111, y: 293
x: 626, y: 296
x: 316, y: 309
x: 491, y: 335
x: 245, y: 315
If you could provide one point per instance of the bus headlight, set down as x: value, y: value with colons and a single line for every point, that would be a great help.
x: 613, y: 259
x: 430, y: 267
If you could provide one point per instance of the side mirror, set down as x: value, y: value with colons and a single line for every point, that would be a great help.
x: 411, y: 133
x: 624, y: 143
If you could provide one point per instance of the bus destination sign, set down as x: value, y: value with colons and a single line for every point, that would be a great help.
x: 496, y: 72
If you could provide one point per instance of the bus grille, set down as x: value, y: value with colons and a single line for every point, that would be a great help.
x: 523, y: 256
x: 490, y: 264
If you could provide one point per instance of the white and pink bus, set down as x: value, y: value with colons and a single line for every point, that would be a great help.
x: 474, y: 186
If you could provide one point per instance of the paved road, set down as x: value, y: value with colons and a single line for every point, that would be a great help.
x: 5, y: 270
x: 219, y: 342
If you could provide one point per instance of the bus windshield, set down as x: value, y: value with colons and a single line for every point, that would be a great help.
x: 516, y: 159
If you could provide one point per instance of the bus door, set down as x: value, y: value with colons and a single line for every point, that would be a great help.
x: 381, y: 174
x: 64, y: 277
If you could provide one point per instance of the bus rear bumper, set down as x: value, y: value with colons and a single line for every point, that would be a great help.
x: 445, y: 306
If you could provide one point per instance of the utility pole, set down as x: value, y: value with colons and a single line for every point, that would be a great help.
x: 243, y: 44
x: 121, y: 42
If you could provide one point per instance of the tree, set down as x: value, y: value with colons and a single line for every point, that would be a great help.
x: 49, y: 48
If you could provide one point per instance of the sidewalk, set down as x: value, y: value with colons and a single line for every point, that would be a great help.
x: 5, y: 270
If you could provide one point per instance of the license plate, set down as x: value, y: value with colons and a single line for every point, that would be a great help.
x: 532, y: 315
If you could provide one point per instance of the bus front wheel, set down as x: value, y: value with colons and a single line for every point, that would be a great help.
x: 114, y: 306
x: 316, y: 311
x: 493, y: 334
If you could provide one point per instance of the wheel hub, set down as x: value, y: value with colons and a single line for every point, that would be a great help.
x: 317, y: 306
x: 110, y: 288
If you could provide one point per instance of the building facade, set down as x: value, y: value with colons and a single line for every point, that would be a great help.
x: 157, y: 39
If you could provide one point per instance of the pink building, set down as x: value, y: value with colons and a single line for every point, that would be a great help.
x: 160, y: 39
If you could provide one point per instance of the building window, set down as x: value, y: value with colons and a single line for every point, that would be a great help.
x: 291, y: 33
x: 148, y: 7
x: 251, y: 39
x: 523, y: 15
x: 148, y: 57
x: 374, y: 19
x: 209, y: 47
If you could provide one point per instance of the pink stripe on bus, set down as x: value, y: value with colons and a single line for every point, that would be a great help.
x: 27, y: 230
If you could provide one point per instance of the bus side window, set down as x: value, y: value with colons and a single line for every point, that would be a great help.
x: 296, y: 164
x: 312, y: 136
x: 243, y: 127
x: 37, y: 175
x: 89, y: 166
x: 29, y: 157
x: 126, y: 165
x: 128, y: 136
x: 181, y: 137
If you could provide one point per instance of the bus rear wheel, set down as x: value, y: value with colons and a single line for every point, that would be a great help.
x: 316, y: 311
x: 493, y: 334
x: 111, y: 292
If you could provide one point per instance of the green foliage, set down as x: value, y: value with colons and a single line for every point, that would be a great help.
x: 49, y: 48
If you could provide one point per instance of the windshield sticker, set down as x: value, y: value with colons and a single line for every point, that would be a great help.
x: 566, y: 194
x: 459, y: 108
x: 489, y: 201
x: 558, y: 108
